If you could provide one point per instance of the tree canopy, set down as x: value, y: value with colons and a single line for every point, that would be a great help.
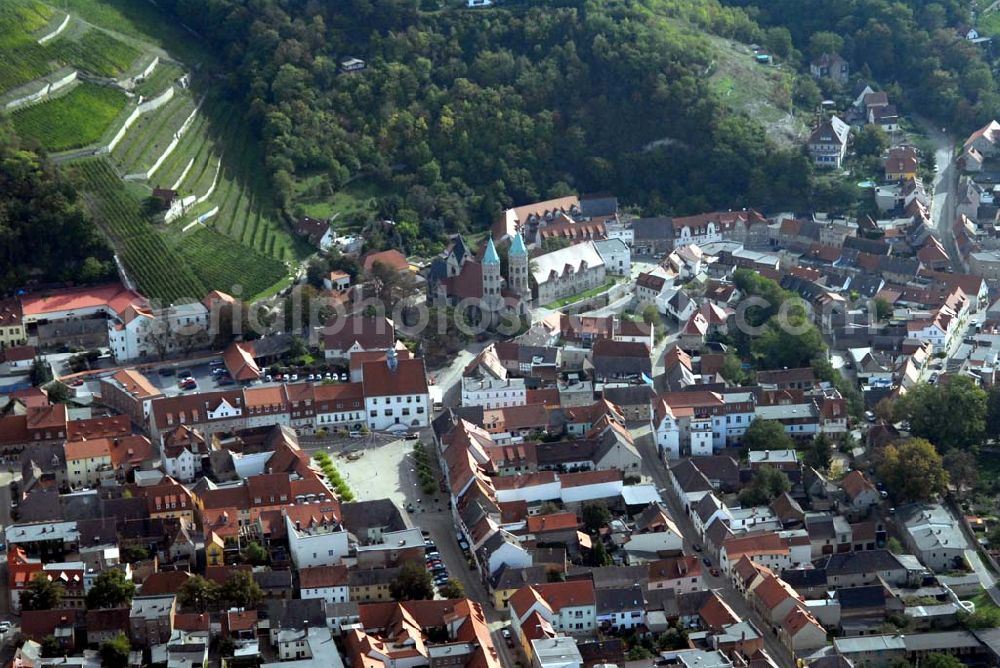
x: 912, y: 470
x: 40, y: 212
x: 412, y: 584
x: 950, y: 414
x: 111, y: 589
x: 768, y: 484
x: 459, y: 114
x: 767, y: 435
x: 42, y: 594
x: 114, y: 652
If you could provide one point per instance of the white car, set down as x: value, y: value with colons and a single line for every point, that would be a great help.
x: 5, y: 626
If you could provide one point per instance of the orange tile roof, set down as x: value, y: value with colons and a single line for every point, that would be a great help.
x: 269, y: 396
x: 391, y: 258
x: 590, y: 477
x: 136, y: 384
x: 116, y: 297
x: 760, y: 543
x: 772, y: 591
x: 319, y: 577
x: 87, y: 449
x: 552, y: 522
x: 103, y: 427
x: 716, y: 613
x: 240, y: 363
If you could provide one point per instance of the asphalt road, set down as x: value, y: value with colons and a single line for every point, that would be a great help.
x: 945, y: 190
x: 653, y: 467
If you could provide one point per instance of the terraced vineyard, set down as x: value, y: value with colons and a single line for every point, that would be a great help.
x: 223, y: 265
x: 149, y: 137
x: 163, y: 76
x: 23, y: 59
x: 244, y: 242
x: 96, y: 52
x: 192, y: 166
x: 73, y: 120
x: 158, y: 271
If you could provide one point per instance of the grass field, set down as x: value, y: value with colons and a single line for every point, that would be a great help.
x: 988, y: 24
x: 73, y: 120
x: 357, y: 197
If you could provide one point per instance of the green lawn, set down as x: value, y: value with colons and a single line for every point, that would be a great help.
x: 73, y: 120
x: 583, y: 295
x: 989, y: 24
x: 983, y: 601
x: 359, y: 196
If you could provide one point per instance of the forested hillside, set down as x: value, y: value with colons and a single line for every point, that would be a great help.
x: 44, y: 232
x: 912, y: 47
x: 461, y: 112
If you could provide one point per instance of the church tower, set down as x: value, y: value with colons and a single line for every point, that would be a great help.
x: 492, y: 299
x: 517, y: 268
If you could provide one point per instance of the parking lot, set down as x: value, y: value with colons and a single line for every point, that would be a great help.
x: 211, y: 376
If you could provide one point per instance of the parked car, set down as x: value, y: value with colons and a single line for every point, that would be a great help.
x: 707, y: 562
x: 77, y: 383
x: 714, y: 571
x: 294, y: 377
x: 216, y: 363
x: 184, y: 373
x: 343, y: 377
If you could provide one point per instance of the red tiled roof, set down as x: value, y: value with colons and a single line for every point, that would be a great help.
x: 102, y: 427
x: 552, y: 522
x: 590, y: 477
x: 239, y: 361
x: 409, y: 377
x: 391, y: 258
x: 164, y: 582
x: 136, y: 384
x: 319, y: 577
x: 116, y: 297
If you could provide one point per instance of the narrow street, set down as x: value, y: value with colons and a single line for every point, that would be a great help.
x: 654, y: 468
x: 945, y: 188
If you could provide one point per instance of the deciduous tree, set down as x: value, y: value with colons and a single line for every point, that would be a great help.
x: 912, y: 470
x: 42, y: 594
x: 412, y: 584
x: 111, y: 589
x: 767, y: 435
x: 950, y: 414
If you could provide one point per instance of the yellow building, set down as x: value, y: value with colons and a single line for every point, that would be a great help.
x: 367, y: 586
x: 12, y: 331
x: 214, y: 550
x: 901, y: 164
x: 86, y: 461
